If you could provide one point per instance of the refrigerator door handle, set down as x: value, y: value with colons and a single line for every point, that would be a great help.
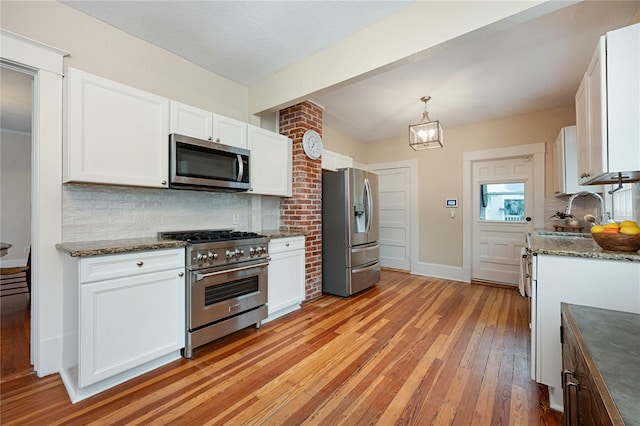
x: 368, y: 204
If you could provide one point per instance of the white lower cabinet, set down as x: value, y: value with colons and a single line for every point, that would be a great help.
x: 286, y: 276
x: 600, y: 283
x: 128, y: 318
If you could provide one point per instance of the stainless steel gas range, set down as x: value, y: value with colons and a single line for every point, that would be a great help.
x: 226, y: 282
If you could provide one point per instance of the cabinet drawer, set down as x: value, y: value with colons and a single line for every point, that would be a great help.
x: 129, y: 264
x: 279, y: 245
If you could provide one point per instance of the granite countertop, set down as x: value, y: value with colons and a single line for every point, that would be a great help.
x: 282, y: 232
x: 103, y: 247
x: 613, y: 339
x: 126, y: 245
x: 575, y: 245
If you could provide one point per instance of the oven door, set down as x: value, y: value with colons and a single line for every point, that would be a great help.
x: 222, y: 292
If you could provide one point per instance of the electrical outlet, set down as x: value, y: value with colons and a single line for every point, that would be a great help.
x: 235, y: 219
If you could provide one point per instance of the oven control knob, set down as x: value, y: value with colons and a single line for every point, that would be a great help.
x: 263, y: 250
x: 230, y: 254
x: 252, y: 251
x: 239, y: 253
x: 201, y: 257
x: 212, y: 256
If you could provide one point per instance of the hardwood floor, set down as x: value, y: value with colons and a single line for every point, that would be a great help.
x: 15, y: 333
x: 411, y: 351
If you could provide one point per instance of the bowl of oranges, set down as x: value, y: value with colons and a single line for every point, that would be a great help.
x: 623, y: 236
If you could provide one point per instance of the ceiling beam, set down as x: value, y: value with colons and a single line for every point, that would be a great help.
x: 408, y: 35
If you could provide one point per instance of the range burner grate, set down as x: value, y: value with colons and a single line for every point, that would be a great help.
x: 206, y: 236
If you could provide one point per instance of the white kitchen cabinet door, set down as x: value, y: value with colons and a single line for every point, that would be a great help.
x: 191, y: 121
x: 201, y: 124
x: 334, y: 161
x: 115, y: 134
x: 129, y: 321
x: 565, y: 175
x: 270, y: 162
x: 597, y: 110
x: 286, y: 280
x: 229, y: 131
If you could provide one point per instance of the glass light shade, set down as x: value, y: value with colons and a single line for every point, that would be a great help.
x: 425, y: 135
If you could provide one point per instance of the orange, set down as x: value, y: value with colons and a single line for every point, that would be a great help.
x: 611, y: 230
x: 611, y: 225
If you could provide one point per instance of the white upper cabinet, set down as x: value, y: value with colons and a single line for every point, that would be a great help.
x: 114, y: 134
x: 198, y: 123
x: 270, y: 163
x: 334, y: 161
x: 565, y: 173
x: 229, y: 131
x: 191, y: 121
x: 607, y: 110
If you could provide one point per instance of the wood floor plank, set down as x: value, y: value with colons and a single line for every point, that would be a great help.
x: 410, y: 351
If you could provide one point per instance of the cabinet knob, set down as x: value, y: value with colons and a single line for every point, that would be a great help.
x: 217, y: 139
x: 287, y: 244
x: 164, y: 182
x: 181, y: 274
x: 139, y: 263
x: 210, y: 138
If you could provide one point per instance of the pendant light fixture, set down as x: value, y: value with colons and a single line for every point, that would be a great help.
x: 427, y: 134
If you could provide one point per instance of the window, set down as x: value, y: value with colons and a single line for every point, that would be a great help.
x: 502, y: 202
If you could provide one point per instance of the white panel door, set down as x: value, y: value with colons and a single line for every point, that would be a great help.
x: 394, y: 188
x: 502, y: 210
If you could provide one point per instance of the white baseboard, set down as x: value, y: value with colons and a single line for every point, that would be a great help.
x: 454, y: 273
x: 70, y: 380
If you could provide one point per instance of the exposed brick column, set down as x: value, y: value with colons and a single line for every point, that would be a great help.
x: 304, y: 208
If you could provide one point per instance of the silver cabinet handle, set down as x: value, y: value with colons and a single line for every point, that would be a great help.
x: 181, y: 274
x: 139, y: 263
x: 366, y: 268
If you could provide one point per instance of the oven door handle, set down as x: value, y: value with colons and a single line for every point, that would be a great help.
x: 200, y: 276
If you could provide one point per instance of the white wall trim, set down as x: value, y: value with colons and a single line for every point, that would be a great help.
x: 46, y: 65
x: 536, y: 151
x: 453, y: 273
x: 413, y: 208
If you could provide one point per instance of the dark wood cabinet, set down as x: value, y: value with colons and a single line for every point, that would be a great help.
x: 587, y: 400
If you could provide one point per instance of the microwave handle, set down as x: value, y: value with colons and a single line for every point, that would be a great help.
x: 240, y: 168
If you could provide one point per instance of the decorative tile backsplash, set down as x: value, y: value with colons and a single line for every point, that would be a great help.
x: 103, y: 213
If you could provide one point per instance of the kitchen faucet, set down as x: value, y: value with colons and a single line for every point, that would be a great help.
x: 604, y: 216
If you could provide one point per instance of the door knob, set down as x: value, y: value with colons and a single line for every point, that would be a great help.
x: 528, y: 219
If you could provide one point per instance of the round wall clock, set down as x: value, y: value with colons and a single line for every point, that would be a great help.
x: 312, y: 144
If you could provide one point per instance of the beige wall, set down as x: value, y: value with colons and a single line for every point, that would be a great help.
x: 108, y: 52
x: 336, y: 141
x: 440, y: 171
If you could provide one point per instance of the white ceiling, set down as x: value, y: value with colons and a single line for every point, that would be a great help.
x: 529, y: 67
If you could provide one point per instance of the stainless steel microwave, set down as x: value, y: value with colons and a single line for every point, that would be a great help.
x: 208, y: 166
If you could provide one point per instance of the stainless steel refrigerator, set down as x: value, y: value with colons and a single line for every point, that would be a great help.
x: 350, y: 231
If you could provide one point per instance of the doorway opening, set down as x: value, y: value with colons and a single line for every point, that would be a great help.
x: 16, y: 153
